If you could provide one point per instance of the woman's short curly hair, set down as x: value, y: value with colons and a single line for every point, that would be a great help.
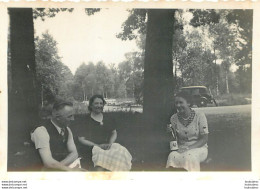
x: 91, y: 100
x: 185, y: 95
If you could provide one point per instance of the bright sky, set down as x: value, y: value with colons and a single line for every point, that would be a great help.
x: 83, y: 38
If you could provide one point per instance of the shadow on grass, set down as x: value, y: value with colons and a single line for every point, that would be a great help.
x: 229, y: 144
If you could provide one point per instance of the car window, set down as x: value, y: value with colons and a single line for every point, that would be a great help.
x: 186, y: 91
x: 195, y: 92
x: 203, y: 91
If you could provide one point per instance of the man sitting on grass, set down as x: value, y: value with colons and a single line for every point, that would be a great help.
x: 54, y: 140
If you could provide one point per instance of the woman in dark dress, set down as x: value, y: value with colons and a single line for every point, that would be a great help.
x: 97, y: 140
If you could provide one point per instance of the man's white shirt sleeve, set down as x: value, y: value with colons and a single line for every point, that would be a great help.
x: 40, y: 137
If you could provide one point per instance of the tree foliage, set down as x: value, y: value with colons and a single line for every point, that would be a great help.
x: 135, y: 23
x: 124, y: 81
x: 53, y: 76
x: 231, y: 34
x: 42, y: 13
x: 199, y: 45
x: 91, y: 79
x: 204, y: 17
x: 243, y: 19
x: 131, y: 73
x: 211, y: 37
x: 91, y: 11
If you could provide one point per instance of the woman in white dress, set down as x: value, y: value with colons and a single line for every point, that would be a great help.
x: 192, y: 136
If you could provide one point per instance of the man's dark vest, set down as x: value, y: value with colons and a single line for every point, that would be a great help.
x: 58, y: 147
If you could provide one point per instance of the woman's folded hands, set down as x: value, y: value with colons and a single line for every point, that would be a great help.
x: 105, y: 146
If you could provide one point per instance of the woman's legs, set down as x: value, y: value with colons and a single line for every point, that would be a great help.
x: 117, y: 158
x: 194, y: 157
x: 175, y: 160
x: 189, y: 160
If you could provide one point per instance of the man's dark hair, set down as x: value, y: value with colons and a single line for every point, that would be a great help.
x: 91, y: 100
x: 60, y: 104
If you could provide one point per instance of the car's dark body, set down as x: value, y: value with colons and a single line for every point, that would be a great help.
x: 199, y: 95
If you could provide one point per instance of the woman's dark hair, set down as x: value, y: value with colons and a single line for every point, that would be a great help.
x: 185, y: 95
x: 91, y: 100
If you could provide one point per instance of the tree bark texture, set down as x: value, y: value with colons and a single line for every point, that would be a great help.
x: 22, y: 98
x: 158, y: 87
x: 158, y: 67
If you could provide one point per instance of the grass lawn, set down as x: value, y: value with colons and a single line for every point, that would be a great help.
x: 229, y: 144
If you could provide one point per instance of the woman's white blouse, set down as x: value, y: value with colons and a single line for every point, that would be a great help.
x: 188, y: 135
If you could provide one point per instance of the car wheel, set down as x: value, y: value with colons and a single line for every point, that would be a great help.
x: 203, y: 103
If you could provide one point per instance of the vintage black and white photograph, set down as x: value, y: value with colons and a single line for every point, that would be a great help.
x: 129, y: 89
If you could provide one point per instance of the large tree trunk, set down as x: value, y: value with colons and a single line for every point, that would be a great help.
x: 22, y: 98
x: 158, y: 67
x: 158, y: 81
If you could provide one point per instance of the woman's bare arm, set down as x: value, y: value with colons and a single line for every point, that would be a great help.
x: 113, y: 137
x: 201, y: 142
x: 86, y: 142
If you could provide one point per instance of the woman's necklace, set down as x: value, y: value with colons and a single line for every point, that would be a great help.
x: 186, y: 119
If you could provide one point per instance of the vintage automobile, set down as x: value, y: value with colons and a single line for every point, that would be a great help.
x: 199, y: 95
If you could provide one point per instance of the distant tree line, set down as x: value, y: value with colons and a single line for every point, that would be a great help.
x: 203, y: 52
x: 55, y: 79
